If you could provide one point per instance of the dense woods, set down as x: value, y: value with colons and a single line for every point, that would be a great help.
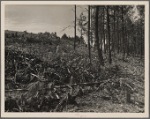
x: 119, y: 31
x: 48, y: 73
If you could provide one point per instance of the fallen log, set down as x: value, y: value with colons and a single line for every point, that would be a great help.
x: 16, y: 90
x: 60, y: 86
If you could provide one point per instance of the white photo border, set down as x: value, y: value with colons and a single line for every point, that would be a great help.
x: 75, y: 115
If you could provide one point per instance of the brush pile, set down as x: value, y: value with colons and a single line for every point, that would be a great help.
x: 33, y: 85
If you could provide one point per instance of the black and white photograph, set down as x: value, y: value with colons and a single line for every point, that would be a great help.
x: 75, y: 59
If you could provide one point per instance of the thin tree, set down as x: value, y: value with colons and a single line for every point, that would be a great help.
x: 89, y: 45
x: 118, y: 39
x: 75, y: 29
x: 123, y: 34
x: 127, y: 39
x: 108, y: 34
x: 100, y: 56
x: 114, y: 27
x: 103, y: 28
x: 101, y: 25
x: 141, y: 41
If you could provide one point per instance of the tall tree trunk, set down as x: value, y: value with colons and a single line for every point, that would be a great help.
x: 128, y: 45
x: 100, y: 28
x: 118, y: 45
x: 133, y: 39
x: 123, y: 34
x: 75, y: 29
x: 89, y: 45
x: 136, y: 42
x: 103, y: 22
x: 108, y: 32
x: 101, y: 60
x: 126, y: 39
x: 91, y: 33
x: 134, y: 46
x: 114, y: 43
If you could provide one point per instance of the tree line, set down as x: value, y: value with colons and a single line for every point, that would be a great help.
x: 113, y: 30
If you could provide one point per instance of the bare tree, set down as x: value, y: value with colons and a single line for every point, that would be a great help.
x: 75, y: 29
x: 123, y: 34
x: 103, y: 28
x: 118, y: 39
x: 108, y: 34
x: 89, y: 45
x: 100, y: 56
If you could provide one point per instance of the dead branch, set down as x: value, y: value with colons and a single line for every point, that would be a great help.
x: 16, y: 90
x: 39, y: 78
x: 61, y: 86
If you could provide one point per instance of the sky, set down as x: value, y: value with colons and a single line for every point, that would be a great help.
x: 41, y: 18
